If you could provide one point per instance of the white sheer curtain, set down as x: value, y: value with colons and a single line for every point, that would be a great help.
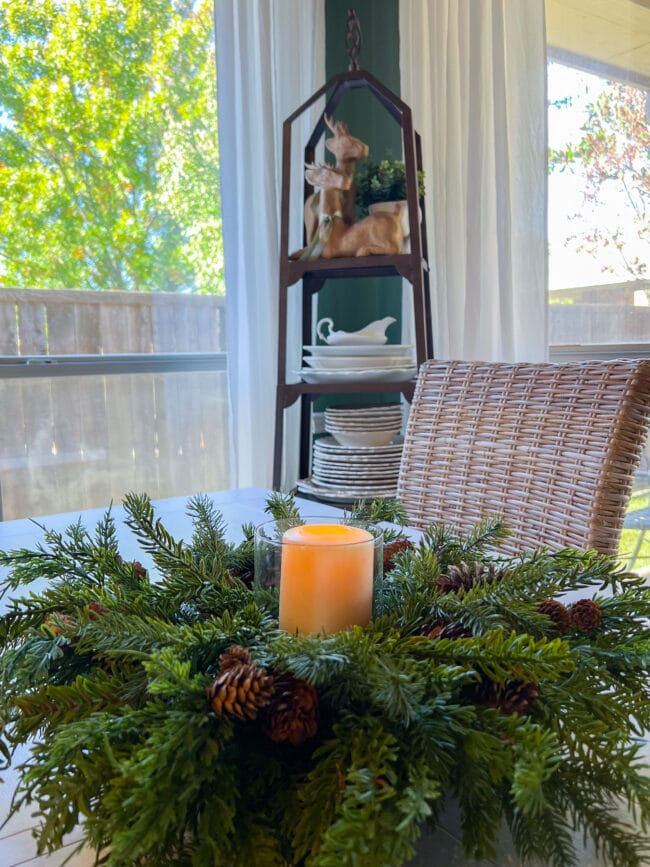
x: 474, y: 73
x: 270, y: 59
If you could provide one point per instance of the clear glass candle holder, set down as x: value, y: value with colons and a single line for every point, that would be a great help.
x: 327, y: 571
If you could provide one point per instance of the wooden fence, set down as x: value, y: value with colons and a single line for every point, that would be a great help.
x: 67, y: 322
x: 82, y: 441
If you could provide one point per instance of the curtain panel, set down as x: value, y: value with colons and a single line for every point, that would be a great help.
x: 270, y: 59
x: 474, y: 73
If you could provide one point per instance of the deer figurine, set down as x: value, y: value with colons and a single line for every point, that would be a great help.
x: 378, y: 234
x: 347, y: 150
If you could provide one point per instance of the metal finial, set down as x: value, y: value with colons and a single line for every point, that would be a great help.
x: 353, y: 39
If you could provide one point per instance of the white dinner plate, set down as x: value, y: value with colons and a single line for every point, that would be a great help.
x: 353, y: 478
x: 365, y: 362
x: 393, y: 374
x: 346, y: 493
x: 359, y: 461
x: 362, y: 349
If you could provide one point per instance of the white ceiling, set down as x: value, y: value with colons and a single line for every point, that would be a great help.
x: 613, y: 32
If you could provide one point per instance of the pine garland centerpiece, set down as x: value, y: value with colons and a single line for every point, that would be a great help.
x: 167, y: 712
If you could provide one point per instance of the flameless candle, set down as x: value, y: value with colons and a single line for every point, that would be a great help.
x: 326, y: 578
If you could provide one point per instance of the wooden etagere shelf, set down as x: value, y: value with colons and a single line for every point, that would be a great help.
x: 312, y: 274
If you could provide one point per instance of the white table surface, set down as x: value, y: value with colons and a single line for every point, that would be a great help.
x: 246, y: 505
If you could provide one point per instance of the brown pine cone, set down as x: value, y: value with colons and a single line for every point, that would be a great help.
x: 393, y: 548
x: 292, y: 715
x: 95, y: 610
x: 514, y: 696
x: 60, y: 624
x: 139, y: 571
x: 465, y: 577
x: 241, y: 689
x: 235, y: 655
x: 586, y: 615
x: 448, y: 630
x: 556, y: 612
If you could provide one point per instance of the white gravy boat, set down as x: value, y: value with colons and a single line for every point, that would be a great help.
x: 374, y: 332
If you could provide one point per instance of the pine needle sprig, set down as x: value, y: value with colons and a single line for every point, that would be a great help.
x: 209, y: 535
x: 169, y: 555
x: 587, y: 798
x: 282, y: 507
x: 71, y: 555
x: 546, y: 836
x: 380, y: 512
x: 452, y: 546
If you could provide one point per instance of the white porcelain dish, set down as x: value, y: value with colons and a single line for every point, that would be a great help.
x: 364, y: 438
x: 362, y: 349
x: 367, y: 362
x: 361, y: 461
x: 365, y: 422
x: 393, y: 374
x: 358, y: 489
x: 389, y: 409
x: 343, y: 494
x: 328, y: 444
x: 353, y: 476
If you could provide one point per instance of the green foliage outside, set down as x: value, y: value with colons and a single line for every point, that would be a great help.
x: 104, y: 672
x: 630, y: 537
x: 108, y: 146
x: 614, y: 150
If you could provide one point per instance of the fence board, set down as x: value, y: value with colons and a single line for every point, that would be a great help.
x: 61, y: 329
x: 8, y: 329
x: 32, y: 329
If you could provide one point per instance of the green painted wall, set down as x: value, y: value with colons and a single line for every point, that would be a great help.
x: 354, y: 303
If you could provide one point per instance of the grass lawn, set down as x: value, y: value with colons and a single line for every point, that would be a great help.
x: 629, y: 538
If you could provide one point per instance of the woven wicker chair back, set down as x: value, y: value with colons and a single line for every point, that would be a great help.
x: 551, y: 448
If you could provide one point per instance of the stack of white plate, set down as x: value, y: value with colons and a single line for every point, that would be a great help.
x: 365, y: 362
x: 348, y: 473
x: 364, y: 425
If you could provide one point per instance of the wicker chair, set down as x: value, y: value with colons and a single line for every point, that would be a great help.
x: 552, y: 448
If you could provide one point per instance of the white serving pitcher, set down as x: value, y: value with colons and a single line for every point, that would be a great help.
x: 373, y: 333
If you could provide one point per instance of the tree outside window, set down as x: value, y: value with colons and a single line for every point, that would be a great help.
x: 599, y: 207
x: 108, y: 146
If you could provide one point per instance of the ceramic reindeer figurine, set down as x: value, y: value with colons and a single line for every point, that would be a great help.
x: 346, y: 150
x: 378, y: 234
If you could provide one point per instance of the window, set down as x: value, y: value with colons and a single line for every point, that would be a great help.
x: 599, y: 172
x: 599, y: 209
x: 112, y: 361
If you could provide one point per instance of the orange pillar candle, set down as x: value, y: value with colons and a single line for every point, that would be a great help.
x: 326, y: 578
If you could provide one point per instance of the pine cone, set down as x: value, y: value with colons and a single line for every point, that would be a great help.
x: 236, y: 655
x: 292, y: 715
x: 464, y: 576
x: 556, y: 612
x: 586, y: 615
x: 393, y: 548
x: 139, y: 571
x: 241, y: 689
x: 448, y: 630
x: 514, y: 696
x: 60, y: 624
x: 95, y: 610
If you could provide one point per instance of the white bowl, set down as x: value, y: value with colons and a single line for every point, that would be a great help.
x: 362, y: 424
x: 363, y: 438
